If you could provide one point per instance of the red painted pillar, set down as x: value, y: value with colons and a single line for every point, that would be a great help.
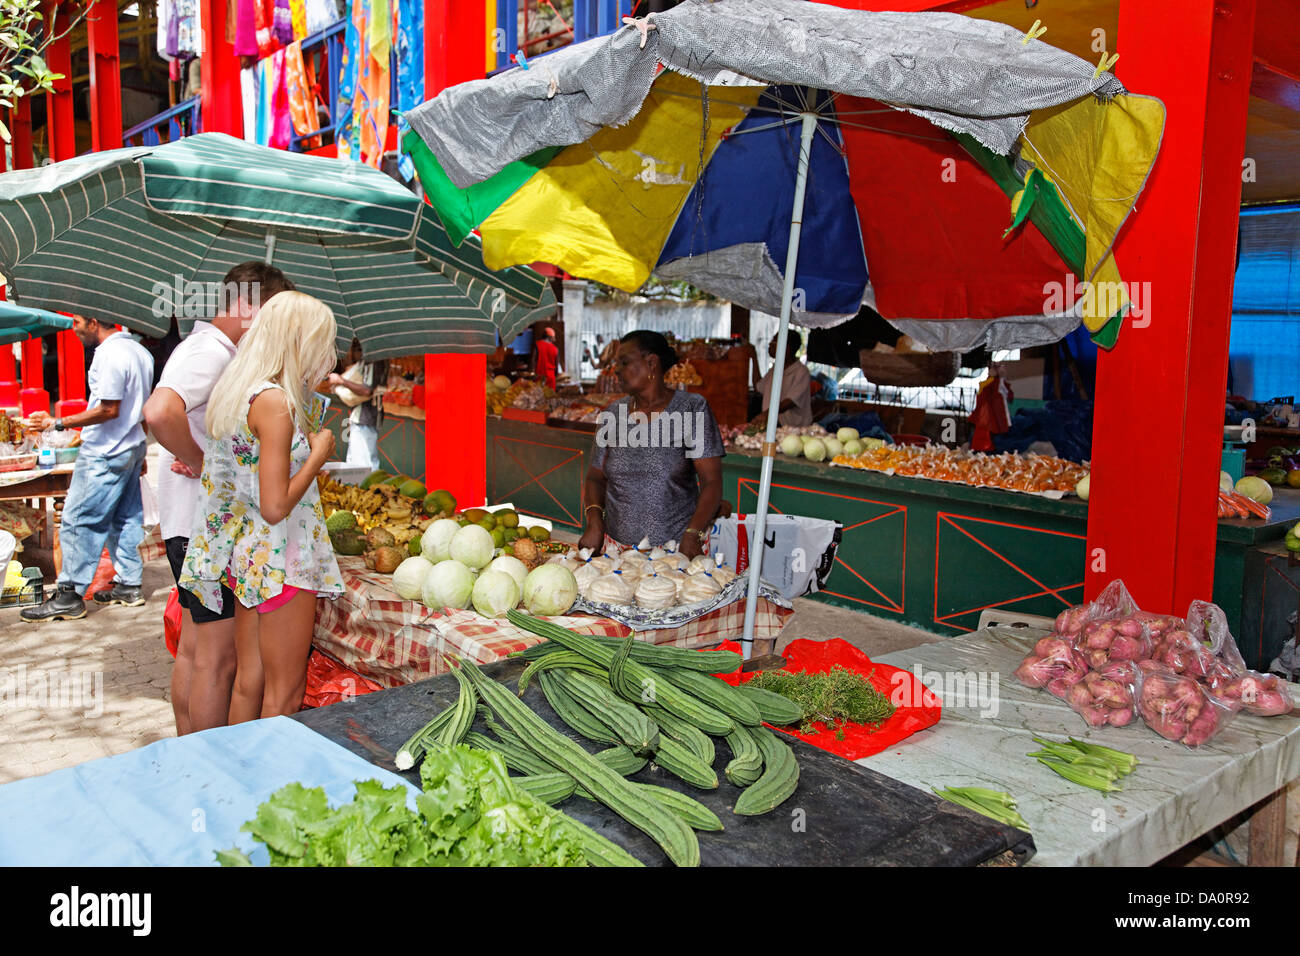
x: 454, y: 32
x: 33, y: 364
x: 72, y: 367
x: 221, y: 103
x: 1158, y: 428
x: 105, y: 79
x: 60, y: 127
x: 21, y: 128
x: 8, y: 367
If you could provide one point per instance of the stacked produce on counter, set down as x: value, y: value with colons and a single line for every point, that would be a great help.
x: 649, y: 578
x: 1248, y: 498
x: 486, y: 560
x: 588, y: 408
x: 683, y: 373
x: 1011, y: 470
x: 399, y: 505
x: 1184, y: 677
x: 811, y: 442
x: 1283, y: 467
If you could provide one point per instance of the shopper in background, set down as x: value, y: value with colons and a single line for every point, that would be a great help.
x: 205, y: 660
x: 796, y: 384
x: 548, y: 358
x: 361, y: 388
x: 103, y: 505
x: 259, y: 528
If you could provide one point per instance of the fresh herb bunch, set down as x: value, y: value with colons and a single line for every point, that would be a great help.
x: 833, y: 697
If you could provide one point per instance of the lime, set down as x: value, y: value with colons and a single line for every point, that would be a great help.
x: 463, y: 520
x: 1292, y: 542
x: 487, y: 524
x: 476, y: 515
x: 413, y: 547
x: 507, y: 519
x: 508, y: 551
x: 510, y: 533
x: 446, y: 501
x: 498, y: 537
x: 538, y: 533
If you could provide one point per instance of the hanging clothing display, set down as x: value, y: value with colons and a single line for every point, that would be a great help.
x: 299, y: 84
x: 349, y: 71
x: 248, y: 87
x: 298, y: 16
x: 282, y: 23
x: 281, y: 133
x: 264, y: 12
x: 245, y: 28
x: 323, y: 13
x: 408, y: 37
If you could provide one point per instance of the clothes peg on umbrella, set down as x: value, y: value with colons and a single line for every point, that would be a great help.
x: 520, y: 59
x: 643, y: 24
x: 1034, y: 32
x: 1104, y: 64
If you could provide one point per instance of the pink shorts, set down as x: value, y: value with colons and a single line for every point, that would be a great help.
x: 287, y: 594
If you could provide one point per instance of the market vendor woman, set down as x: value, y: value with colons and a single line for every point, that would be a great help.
x: 656, y: 471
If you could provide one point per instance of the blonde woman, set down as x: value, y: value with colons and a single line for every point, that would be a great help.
x: 259, y: 525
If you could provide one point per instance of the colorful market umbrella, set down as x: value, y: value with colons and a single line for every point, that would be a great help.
x: 139, y: 236
x: 801, y: 159
x: 17, y: 323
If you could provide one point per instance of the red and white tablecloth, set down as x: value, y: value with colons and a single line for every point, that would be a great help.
x: 377, y: 634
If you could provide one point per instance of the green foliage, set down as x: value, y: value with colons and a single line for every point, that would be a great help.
x: 470, y: 814
x: 832, y: 697
x: 23, y: 38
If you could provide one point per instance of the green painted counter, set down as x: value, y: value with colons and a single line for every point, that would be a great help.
x: 926, y: 553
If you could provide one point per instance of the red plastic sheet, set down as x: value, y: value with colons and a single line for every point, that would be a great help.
x: 329, y: 682
x: 172, y: 622
x: 917, y: 707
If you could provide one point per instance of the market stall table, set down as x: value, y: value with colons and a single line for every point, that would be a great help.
x: 392, y: 641
x: 840, y: 815
x: 37, y: 484
x: 1174, y: 796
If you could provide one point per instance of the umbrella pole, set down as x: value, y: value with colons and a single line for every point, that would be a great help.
x: 778, y: 371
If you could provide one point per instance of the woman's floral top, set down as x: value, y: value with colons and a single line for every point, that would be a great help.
x: 230, y: 534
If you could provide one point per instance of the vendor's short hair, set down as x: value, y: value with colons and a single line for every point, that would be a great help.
x: 258, y: 275
x: 653, y: 343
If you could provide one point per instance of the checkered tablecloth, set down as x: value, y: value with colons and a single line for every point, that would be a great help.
x: 377, y: 634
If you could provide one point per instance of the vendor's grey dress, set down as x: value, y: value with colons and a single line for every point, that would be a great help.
x: 650, y: 484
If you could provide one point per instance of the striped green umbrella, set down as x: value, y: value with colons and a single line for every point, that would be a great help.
x: 18, y: 323
x: 139, y: 236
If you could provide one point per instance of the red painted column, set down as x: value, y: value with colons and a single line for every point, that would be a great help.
x: 221, y: 102
x: 454, y: 32
x: 61, y: 129
x: 72, y: 367
x: 1158, y: 427
x: 21, y: 128
x: 8, y: 366
x: 105, y: 78
x: 33, y: 364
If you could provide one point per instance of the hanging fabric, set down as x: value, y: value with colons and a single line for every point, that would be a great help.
x: 323, y: 13
x: 298, y: 16
x: 166, y: 13
x: 349, y: 76
x: 265, y: 94
x: 245, y: 28
x: 408, y: 36
x: 282, y: 25
x: 376, y: 86
x: 302, y: 105
x: 281, y: 115
x: 265, y: 14
x: 248, y: 87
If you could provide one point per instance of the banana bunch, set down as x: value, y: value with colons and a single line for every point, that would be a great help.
x: 368, y: 505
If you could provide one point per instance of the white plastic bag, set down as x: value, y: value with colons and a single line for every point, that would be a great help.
x: 798, y: 555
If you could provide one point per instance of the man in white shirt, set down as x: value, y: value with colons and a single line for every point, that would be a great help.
x: 103, y: 505
x: 796, y: 384
x: 205, y: 660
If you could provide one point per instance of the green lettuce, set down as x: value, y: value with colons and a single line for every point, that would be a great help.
x: 470, y: 814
